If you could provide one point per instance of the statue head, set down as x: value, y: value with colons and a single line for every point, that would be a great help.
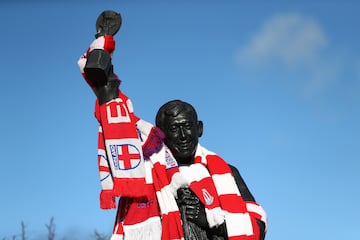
x: 179, y: 121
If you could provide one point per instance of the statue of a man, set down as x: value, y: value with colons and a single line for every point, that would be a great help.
x: 179, y: 121
x: 169, y: 186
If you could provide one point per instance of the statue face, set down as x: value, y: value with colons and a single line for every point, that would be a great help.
x: 182, y: 136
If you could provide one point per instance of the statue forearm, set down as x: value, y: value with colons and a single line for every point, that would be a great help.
x: 96, y: 64
x: 100, y: 76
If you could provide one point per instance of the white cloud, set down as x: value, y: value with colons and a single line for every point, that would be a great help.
x: 322, y: 77
x: 297, y: 43
x: 290, y: 39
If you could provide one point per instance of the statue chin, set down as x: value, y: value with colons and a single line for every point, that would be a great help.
x: 184, y: 155
x: 184, y: 158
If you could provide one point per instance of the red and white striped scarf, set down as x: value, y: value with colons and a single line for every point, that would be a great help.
x: 211, y: 179
x: 156, y: 183
x: 124, y: 142
x: 120, y: 151
x: 138, y: 223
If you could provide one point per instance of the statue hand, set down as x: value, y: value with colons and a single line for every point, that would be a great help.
x: 219, y: 231
x: 106, y: 43
x: 194, y: 211
x: 196, y: 214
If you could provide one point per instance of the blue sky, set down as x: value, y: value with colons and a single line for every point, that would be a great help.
x: 276, y: 84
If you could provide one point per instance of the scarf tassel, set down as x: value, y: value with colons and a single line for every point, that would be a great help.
x: 107, y: 199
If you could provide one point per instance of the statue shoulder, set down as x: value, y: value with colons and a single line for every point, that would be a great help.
x: 244, y: 190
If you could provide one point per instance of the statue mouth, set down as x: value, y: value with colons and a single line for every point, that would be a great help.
x: 184, y: 146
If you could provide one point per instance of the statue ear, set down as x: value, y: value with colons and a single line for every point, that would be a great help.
x: 200, y: 127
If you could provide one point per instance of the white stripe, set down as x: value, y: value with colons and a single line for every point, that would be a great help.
x: 202, y: 152
x: 158, y: 157
x: 177, y: 181
x: 146, y: 230
x: 81, y: 63
x: 116, y: 236
x: 138, y: 172
x: 194, y: 172
x: 215, y: 216
x: 225, y: 184
x: 238, y: 224
x: 148, y: 174
x: 98, y: 43
x: 167, y: 202
x: 103, y: 160
x: 161, y: 203
x: 130, y: 106
x: 143, y: 126
x: 251, y: 207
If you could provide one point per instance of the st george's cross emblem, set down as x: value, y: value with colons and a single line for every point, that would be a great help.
x: 125, y: 156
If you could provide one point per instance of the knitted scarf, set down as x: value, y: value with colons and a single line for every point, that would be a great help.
x: 141, y: 223
x: 126, y: 147
x: 120, y: 151
x: 211, y: 179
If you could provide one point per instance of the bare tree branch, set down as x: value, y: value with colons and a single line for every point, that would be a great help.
x: 51, y: 229
x: 100, y: 236
x: 23, y: 233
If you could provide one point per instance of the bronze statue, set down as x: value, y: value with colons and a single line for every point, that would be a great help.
x: 179, y: 121
x: 209, y: 199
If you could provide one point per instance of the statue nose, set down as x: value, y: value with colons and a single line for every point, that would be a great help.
x: 182, y: 133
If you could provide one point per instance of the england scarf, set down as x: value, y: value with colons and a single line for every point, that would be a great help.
x: 158, y: 216
x: 211, y: 179
x: 124, y: 142
x: 120, y: 151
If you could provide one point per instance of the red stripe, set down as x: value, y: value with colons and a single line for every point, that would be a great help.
x: 109, y: 43
x: 205, y: 184
x: 217, y: 165
x: 104, y: 169
x: 232, y: 203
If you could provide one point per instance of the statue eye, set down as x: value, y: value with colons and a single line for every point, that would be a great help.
x: 173, y: 128
x: 188, y: 125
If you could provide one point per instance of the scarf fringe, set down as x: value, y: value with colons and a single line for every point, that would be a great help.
x: 148, y: 230
x: 151, y: 137
x: 107, y: 199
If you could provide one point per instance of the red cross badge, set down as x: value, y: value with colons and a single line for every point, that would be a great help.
x: 125, y: 156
